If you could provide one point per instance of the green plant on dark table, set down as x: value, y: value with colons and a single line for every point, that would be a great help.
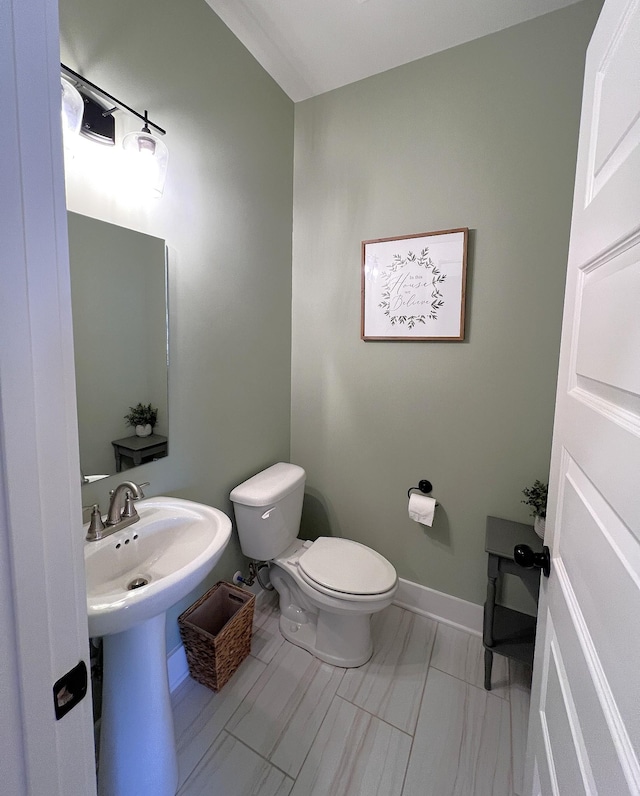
x: 536, y: 498
x: 141, y: 415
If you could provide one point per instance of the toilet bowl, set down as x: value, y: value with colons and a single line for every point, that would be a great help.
x: 328, y: 588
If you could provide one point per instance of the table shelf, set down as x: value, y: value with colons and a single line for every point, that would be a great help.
x: 139, y: 449
x: 514, y: 634
x: 508, y: 632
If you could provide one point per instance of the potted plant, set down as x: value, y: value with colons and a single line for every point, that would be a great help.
x: 536, y: 497
x: 142, y: 418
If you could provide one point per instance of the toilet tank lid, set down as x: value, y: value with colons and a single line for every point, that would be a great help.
x: 269, y: 486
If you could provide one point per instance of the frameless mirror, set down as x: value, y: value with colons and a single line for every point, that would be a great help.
x: 120, y: 331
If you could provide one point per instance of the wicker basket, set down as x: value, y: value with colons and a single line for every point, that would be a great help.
x: 216, y: 632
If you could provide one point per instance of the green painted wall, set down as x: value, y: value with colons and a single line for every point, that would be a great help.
x: 484, y: 136
x: 226, y: 215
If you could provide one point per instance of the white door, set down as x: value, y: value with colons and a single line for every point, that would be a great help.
x: 43, y: 620
x: 584, y: 729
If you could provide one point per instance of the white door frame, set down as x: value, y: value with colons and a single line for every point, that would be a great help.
x: 42, y: 593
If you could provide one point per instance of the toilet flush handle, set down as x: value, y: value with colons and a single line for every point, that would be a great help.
x: 268, y: 512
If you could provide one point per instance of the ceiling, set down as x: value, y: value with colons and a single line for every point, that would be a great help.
x: 313, y: 46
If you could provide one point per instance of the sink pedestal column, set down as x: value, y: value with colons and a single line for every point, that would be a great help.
x: 137, y: 741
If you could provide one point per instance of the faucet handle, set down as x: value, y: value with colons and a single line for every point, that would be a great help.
x: 96, y: 526
x: 129, y: 509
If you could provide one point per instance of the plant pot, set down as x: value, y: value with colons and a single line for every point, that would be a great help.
x: 538, y: 526
x: 144, y: 431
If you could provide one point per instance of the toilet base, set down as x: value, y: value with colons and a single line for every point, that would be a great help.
x: 305, y: 635
x: 339, y: 635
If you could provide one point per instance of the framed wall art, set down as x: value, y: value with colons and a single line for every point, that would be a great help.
x: 413, y: 286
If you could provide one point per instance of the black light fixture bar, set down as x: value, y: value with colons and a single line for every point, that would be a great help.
x: 82, y: 81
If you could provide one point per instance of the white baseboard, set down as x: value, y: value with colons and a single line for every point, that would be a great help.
x: 439, y: 606
x: 420, y: 599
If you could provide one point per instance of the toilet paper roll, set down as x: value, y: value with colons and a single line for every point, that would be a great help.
x: 422, y: 508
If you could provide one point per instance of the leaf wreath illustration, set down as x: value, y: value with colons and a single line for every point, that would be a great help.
x: 437, y: 302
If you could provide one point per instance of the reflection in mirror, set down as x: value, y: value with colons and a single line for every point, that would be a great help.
x: 119, y: 303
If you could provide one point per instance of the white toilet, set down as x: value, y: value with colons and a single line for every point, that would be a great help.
x: 328, y: 588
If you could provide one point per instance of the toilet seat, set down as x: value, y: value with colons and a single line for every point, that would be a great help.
x: 346, y: 568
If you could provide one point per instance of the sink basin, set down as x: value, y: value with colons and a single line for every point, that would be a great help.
x: 133, y: 577
x: 142, y: 570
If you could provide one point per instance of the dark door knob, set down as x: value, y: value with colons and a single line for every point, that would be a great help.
x: 525, y: 557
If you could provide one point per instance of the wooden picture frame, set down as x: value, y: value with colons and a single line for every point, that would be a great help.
x: 414, y: 286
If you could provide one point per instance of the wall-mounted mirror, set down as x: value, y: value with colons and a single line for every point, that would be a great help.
x: 120, y: 331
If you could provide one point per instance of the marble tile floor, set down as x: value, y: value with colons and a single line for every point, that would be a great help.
x: 414, y: 721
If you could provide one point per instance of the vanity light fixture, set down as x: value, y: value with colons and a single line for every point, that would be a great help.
x: 72, y: 108
x: 151, y: 157
x: 97, y: 123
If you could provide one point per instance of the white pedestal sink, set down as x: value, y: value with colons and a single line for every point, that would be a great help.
x: 170, y: 550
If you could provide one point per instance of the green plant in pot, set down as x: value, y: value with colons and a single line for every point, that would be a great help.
x: 536, y: 498
x: 142, y: 418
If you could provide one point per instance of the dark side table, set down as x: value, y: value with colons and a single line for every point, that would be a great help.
x: 139, y: 449
x: 508, y: 632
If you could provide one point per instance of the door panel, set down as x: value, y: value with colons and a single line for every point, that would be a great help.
x: 610, y: 297
x: 607, y: 190
x: 602, y: 560
x: 617, y: 127
x: 592, y: 698
x: 572, y: 770
x: 608, y: 433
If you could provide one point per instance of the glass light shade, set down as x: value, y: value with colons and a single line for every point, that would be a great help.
x: 150, y: 160
x: 72, y: 109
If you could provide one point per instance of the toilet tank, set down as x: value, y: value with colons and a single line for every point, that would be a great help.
x: 268, y: 508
